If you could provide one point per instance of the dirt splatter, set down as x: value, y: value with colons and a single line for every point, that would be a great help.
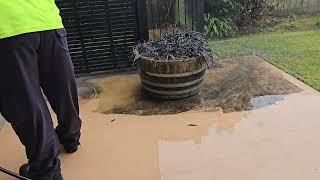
x: 230, y: 86
x: 2, y: 121
x: 239, y: 80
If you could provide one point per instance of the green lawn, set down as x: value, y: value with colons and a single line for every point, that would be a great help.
x: 297, y: 53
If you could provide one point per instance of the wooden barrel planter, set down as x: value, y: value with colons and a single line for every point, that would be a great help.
x: 171, y: 80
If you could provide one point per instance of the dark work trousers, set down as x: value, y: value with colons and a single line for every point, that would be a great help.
x: 28, y: 63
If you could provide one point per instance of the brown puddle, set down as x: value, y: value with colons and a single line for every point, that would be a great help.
x: 276, y: 142
x: 231, y: 87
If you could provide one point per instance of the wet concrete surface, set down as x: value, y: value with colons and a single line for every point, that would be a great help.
x: 278, y: 140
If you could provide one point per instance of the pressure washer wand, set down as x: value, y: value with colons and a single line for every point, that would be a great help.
x: 13, y: 174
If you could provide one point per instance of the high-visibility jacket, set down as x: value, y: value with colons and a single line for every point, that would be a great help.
x: 25, y: 16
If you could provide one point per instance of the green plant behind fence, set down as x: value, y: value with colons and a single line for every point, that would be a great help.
x: 242, y: 12
x: 215, y: 27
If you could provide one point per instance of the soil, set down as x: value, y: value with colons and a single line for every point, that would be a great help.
x: 230, y: 86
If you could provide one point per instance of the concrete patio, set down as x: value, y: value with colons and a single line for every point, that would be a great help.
x: 275, y: 142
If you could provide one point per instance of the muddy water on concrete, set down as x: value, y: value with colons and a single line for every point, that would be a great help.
x: 231, y: 87
x: 279, y: 142
x: 276, y: 142
x: 263, y: 101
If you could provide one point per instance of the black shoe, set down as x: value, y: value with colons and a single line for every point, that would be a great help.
x: 70, y: 148
x: 24, y: 170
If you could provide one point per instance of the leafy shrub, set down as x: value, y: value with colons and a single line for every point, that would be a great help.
x: 242, y: 12
x: 292, y: 16
x: 215, y: 27
x: 290, y: 23
x: 222, y: 9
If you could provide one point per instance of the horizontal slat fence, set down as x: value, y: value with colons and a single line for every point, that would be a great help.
x: 101, y: 33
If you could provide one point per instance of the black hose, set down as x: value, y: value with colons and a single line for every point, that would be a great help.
x: 13, y: 174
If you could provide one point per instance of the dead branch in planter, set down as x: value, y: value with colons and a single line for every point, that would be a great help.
x: 176, y: 46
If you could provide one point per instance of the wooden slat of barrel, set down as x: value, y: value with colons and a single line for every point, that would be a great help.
x: 172, y: 91
x: 176, y: 75
x: 169, y: 67
x: 170, y: 80
x: 172, y: 85
x: 172, y: 97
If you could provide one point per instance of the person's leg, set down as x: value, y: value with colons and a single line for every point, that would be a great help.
x: 59, y: 85
x: 24, y: 107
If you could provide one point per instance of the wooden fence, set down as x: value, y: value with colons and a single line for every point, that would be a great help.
x: 298, y: 7
x: 169, y: 15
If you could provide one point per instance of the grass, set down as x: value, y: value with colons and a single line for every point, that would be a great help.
x: 297, y: 53
x: 294, y: 23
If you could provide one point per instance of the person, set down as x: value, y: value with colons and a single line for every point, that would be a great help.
x: 34, y: 58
